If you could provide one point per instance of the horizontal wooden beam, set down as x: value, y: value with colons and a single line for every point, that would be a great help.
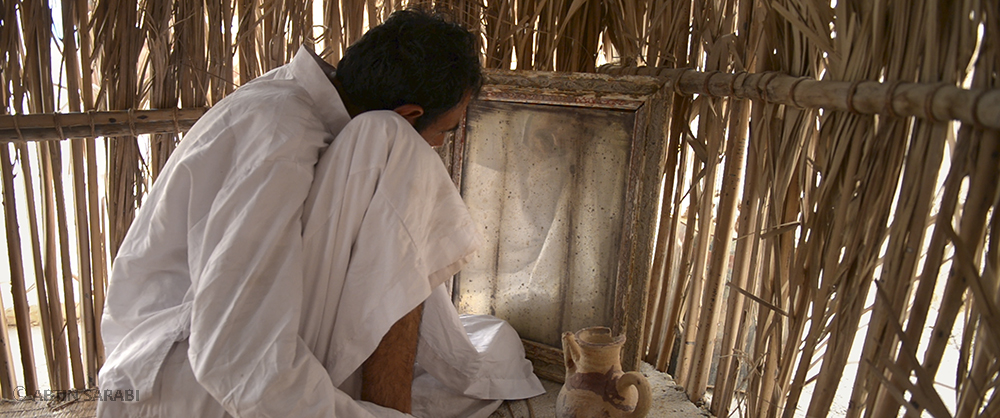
x: 936, y: 102
x: 58, y: 126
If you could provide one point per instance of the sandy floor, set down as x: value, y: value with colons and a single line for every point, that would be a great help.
x: 669, y: 400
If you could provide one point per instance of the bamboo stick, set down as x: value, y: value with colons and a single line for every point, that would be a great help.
x: 246, y: 40
x: 499, y: 35
x: 98, y: 263
x: 46, y: 127
x: 628, y: 41
x: 352, y: 12
x: 983, y: 319
x: 332, y: 32
x: 524, y: 42
x: 44, y: 310
x: 60, y: 366
x: 831, y: 230
x: 925, y: 395
x: 722, y: 239
x: 659, y: 269
x: 666, y: 246
x: 669, y: 321
x: 97, y: 248
x: 218, y: 61
x: 20, y: 298
x: 272, y: 45
x: 546, y: 42
x: 69, y: 300
x: 693, y: 290
x: 875, y: 200
x: 916, y: 190
x: 972, y: 399
x: 985, y: 365
x: 8, y: 39
x: 763, y: 396
x: 706, y: 151
x: 39, y: 89
x: 940, y: 63
x: 715, y: 275
x: 189, y: 33
x: 733, y: 336
x: 982, y: 184
x: 228, y: 64
x: 744, y: 277
x: 90, y: 340
x: 783, y: 290
x: 163, y: 74
x: 759, y: 389
x: 8, y: 381
x: 935, y: 253
x: 710, y: 129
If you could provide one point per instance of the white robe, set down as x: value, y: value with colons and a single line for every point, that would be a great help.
x: 249, y: 287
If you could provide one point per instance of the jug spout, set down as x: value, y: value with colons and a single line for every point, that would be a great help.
x: 571, y: 350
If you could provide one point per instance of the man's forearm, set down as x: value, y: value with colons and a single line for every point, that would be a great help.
x: 387, y: 375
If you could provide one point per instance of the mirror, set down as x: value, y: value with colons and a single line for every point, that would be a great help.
x: 561, y: 174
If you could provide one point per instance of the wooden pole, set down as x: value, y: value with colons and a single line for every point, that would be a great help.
x: 52, y: 127
x: 936, y: 102
x: 932, y: 101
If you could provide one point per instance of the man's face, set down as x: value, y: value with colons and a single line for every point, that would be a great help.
x: 446, y: 125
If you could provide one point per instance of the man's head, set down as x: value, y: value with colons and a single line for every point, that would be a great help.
x: 417, y: 64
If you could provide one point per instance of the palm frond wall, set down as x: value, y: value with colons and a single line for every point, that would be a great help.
x: 797, y: 247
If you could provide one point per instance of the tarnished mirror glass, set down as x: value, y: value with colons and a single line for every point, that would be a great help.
x: 561, y: 173
x: 546, y: 186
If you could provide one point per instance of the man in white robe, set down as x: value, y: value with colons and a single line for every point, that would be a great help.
x: 258, y: 277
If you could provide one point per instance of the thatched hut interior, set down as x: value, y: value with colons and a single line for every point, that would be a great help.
x: 808, y: 190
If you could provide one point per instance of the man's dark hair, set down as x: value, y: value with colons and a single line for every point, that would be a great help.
x: 412, y: 58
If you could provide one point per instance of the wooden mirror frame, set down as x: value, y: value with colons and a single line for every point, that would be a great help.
x: 649, y: 102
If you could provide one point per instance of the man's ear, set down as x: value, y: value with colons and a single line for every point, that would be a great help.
x: 411, y: 112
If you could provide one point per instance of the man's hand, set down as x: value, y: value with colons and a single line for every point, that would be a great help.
x: 387, y: 376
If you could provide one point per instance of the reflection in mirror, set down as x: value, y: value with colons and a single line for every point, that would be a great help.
x: 546, y: 185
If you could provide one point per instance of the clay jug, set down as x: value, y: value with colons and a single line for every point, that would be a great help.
x: 595, y: 384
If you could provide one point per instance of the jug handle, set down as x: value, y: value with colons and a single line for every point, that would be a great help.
x: 645, y: 392
x: 571, y: 350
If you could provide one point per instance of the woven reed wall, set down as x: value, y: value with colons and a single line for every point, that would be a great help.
x: 788, y: 233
